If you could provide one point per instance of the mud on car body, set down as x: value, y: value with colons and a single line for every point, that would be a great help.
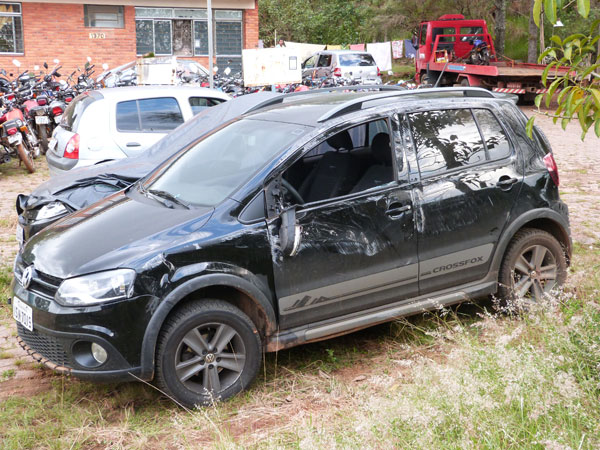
x: 319, y: 214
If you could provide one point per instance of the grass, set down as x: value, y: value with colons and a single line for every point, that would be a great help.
x: 465, y: 377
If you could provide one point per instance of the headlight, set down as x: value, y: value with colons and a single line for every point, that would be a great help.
x: 96, y: 288
x: 50, y: 210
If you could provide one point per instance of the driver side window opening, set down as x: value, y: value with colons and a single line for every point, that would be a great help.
x: 350, y: 161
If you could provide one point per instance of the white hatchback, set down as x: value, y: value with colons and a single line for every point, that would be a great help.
x: 117, y: 123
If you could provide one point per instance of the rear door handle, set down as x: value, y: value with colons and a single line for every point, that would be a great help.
x: 395, y: 209
x: 506, y: 182
x: 133, y: 144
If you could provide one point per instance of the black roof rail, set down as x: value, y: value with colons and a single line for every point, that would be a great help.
x: 279, y: 99
x: 357, y: 103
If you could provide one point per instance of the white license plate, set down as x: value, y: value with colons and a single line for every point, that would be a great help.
x: 15, y: 138
x: 23, y: 313
x: 42, y: 120
x: 51, y: 144
x: 20, y: 234
x: 57, y: 119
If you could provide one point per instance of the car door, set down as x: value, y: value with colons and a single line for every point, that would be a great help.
x: 324, y: 66
x: 308, y: 66
x: 470, y: 179
x: 140, y: 123
x: 355, y: 251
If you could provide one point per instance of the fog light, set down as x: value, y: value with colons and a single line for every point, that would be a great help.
x: 99, y: 353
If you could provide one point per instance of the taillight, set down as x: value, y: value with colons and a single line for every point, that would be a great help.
x: 68, y: 99
x: 11, y: 97
x: 337, y: 72
x: 552, y: 168
x: 378, y: 72
x: 41, y: 101
x: 72, y: 148
x: 57, y: 110
x: 11, y: 131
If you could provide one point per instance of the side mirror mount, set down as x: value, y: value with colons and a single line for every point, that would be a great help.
x: 290, y: 232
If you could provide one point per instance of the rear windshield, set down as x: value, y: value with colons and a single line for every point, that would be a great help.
x: 356, y: 59
x: 72, y: 115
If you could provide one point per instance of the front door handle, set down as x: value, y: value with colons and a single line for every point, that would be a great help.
x: 506, y: 182
x: 133, y: 144
x: 395, y: 209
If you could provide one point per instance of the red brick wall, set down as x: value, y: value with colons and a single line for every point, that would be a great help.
x: 57, y: 31
x: 250, y: 26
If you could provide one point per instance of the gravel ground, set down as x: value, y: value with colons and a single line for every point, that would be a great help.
x: 579, y: 169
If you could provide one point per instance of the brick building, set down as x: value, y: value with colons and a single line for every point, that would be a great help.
x: 115, y: 31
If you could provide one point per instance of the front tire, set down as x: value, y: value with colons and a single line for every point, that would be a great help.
x: 533, y: 265
x: 208, y: 350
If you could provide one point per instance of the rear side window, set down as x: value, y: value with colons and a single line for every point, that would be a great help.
x: 445, y: 140
x: 201, y: 103
x: 445, y: 30
x: 496, y: 142
x: 149, y: 115
x: 72, y: 115
x: 356, y: 59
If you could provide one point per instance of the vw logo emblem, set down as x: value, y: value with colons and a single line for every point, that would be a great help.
x: 27, y: 276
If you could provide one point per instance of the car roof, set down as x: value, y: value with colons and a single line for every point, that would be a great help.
x: 316, y: 107
x: 343, y: 52
x: 138, y: 92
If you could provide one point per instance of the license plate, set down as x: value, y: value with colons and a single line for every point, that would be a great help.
x: 14, y: 138
x: 20, y: 234
x: 23, y: 313
x: 51, y: 144
x: 42, y: 120
x: 57, y: 119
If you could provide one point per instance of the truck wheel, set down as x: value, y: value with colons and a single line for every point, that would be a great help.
x: 208, y: 350
x: 26, y: 157
x: 533, y: 265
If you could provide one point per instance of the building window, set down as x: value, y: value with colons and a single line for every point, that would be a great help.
x: 187, y: 33
x: 11, y: 28
x: 103, y: 16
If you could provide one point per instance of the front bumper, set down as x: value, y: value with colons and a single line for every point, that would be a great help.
x: 61, y: 338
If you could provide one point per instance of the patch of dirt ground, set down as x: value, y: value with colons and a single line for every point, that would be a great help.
x: 579, y: 169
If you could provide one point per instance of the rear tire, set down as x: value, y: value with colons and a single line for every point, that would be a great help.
x: 26, y: 157
x: 43, y: 139
x: 533, y: 265
x: 208, y: 350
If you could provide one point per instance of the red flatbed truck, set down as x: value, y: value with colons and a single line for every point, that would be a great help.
x: 443, y: 47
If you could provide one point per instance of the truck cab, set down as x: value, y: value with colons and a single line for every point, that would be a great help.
x: 449, y: 38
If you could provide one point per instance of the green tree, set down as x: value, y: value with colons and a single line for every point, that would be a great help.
x: 579, y: 87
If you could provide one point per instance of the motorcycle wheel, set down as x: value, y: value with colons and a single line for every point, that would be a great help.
x: 43, y: 134
x: 25, y: 156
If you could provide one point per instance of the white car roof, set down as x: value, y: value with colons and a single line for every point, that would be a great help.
x: 140, y: 92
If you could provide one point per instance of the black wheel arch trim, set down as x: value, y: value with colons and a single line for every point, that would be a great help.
x: 523, y: 220
x: 179, y: 293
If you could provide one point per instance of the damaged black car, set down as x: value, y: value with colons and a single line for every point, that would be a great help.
x: 307, y: 217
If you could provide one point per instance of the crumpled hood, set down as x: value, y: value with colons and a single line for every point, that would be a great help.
x: 81, y: 187
x: 116, y: 232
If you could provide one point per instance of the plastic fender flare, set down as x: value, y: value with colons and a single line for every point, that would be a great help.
x: 179, y: 293
x: 517, y: 224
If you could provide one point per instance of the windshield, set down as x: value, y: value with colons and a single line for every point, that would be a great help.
x: 356, y: 59
x: 212, y: 169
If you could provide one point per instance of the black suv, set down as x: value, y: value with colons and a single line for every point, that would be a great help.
x: 307, y: 217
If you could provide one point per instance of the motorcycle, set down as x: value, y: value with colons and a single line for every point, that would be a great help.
x: 480, y: 53
x: 14, y: 128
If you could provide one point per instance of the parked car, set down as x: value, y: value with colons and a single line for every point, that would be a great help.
x: 306, y: 218
x: 79, y: 188
x: 347, y: 63
x: 122, y: 122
